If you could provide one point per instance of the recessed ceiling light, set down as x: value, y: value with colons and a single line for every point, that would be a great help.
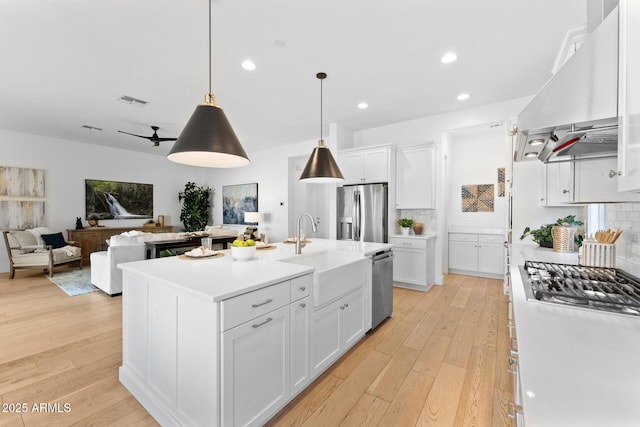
x: 531, y: 154
x: 463, y: 96
x: 248, y: 65
x: 448, y: 58
x: 538, y: 141
x: 363, y: 105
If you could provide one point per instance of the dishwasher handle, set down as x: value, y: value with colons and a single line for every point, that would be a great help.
x: 382, y: 256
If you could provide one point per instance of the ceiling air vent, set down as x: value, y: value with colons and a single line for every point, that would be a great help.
x: 92, y: 128
x: 132, y: 101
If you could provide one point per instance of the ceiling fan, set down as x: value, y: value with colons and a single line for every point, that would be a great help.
x: 153, y: 138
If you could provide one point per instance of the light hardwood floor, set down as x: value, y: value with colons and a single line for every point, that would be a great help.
x: 441, y: 360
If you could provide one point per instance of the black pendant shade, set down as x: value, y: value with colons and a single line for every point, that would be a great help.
x: 208, y: 140
x: 321, y: 167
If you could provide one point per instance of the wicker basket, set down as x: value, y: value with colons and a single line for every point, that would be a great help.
x: 563, y: 238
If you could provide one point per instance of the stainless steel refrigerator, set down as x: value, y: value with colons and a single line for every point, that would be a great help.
x: 362, y: 213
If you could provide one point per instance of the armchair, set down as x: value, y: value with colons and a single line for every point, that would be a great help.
x: 105, y: 273
x: 26, y: 250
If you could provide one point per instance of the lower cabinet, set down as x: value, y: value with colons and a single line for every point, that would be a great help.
x: 477, y: 254
x: 334, y: 328
x: 414, y: 262
x: 300, y: 344
x: 256, y: 352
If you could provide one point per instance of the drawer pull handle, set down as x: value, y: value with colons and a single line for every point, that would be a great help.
x: 514, y: 409
x: 262, y: 303
x: 257, y: 325
x: 303, y: 288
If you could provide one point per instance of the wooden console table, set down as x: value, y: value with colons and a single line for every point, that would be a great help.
x: 155, y: 248
x: 93, y: 239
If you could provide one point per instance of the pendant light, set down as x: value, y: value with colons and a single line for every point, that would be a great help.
x: 208, y: 140
x: 321, y: 167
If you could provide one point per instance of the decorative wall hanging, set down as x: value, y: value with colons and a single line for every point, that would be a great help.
x: 21, y: 182
x: 21, y: 214
x: 117, y: 200
x: 501, y: 174
x: 238, y: 199
x: 477, y: 198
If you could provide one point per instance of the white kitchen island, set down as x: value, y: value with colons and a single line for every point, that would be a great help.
x: 216, y: 341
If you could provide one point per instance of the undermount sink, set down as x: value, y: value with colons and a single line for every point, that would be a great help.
x: 336, y: 273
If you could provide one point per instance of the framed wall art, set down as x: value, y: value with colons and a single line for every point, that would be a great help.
x: 238, y: 199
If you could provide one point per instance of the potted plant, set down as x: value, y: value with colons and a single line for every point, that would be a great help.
x: 196, y: 201
x: 543, y: 237
x: 405, y: 224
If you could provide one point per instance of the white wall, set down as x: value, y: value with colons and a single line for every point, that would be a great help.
x: 474, y: 158
x: 68, y: 164
x: 626, y: 216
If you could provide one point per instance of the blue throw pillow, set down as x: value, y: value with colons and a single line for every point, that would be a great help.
x: 55, y: 240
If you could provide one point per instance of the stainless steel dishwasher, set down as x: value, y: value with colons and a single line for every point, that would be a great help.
x: 381, y: 287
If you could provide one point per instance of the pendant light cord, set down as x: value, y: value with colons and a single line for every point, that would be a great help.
x: 210, y: 45
x: 320, y: 109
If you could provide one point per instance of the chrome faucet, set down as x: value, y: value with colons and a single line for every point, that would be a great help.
x: 299, y: 240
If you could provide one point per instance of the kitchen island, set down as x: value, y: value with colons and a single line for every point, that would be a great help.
x: 222, y: 342
x: 577, y: 366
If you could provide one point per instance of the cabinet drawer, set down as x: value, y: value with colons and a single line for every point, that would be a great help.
x: 491, y: 238
x: 408, y: 243
x: 242, y: 308
x: 463, y: 237
x: 300, y: 287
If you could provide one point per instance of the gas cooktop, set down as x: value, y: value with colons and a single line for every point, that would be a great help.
x: 599, y: 288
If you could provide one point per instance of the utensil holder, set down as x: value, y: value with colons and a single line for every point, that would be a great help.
x: 594, y: 254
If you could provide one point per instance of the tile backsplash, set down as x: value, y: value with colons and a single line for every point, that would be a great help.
x: 428, y: 217
x: 626, y: 216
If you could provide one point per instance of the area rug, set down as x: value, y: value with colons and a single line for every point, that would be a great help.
x: 74, y: 282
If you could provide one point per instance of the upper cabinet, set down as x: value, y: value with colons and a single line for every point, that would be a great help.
x: 628, y: 168
x: 415, y: 183
x: 363, y: 166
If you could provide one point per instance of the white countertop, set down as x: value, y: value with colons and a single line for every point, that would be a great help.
x: 219, y: 278
x: 426, y: 236
x: 476, y: 230
x: 578, y: 367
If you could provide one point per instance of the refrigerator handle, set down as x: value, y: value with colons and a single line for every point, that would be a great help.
x: 357, y: 216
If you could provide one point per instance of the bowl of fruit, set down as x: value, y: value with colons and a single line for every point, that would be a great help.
x: 243, y: 250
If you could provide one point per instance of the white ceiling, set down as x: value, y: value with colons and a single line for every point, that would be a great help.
x: 64, y: 63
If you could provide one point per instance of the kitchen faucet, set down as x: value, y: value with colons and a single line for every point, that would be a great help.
x: 299, y: 241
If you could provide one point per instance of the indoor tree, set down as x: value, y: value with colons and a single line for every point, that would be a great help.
x: 196, y: 201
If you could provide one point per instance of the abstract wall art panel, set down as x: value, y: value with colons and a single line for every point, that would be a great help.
x: 501, y: 179
x: 21, y: 214
x: 477, y: 198
x: 21, y: 182
x: 238, y: 199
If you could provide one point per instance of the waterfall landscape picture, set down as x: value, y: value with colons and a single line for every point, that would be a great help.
x: 118, y: 200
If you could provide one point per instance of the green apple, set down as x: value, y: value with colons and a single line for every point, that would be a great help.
x: 237, y: 242
x: 250, y: 242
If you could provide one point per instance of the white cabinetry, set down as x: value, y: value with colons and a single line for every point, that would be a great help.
x: 558, y: 183
x: 414, y: 262
x: 629, y: 97
x: 255, y: 352
x: 362, y: 166
x: 596, y: 181
x: 334, y: 328
x: 477, y: 254
x: 415, y: 177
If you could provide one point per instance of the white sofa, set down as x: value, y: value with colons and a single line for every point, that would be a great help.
x: 128, y: 247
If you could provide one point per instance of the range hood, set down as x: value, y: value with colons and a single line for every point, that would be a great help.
x: 575, y: 114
